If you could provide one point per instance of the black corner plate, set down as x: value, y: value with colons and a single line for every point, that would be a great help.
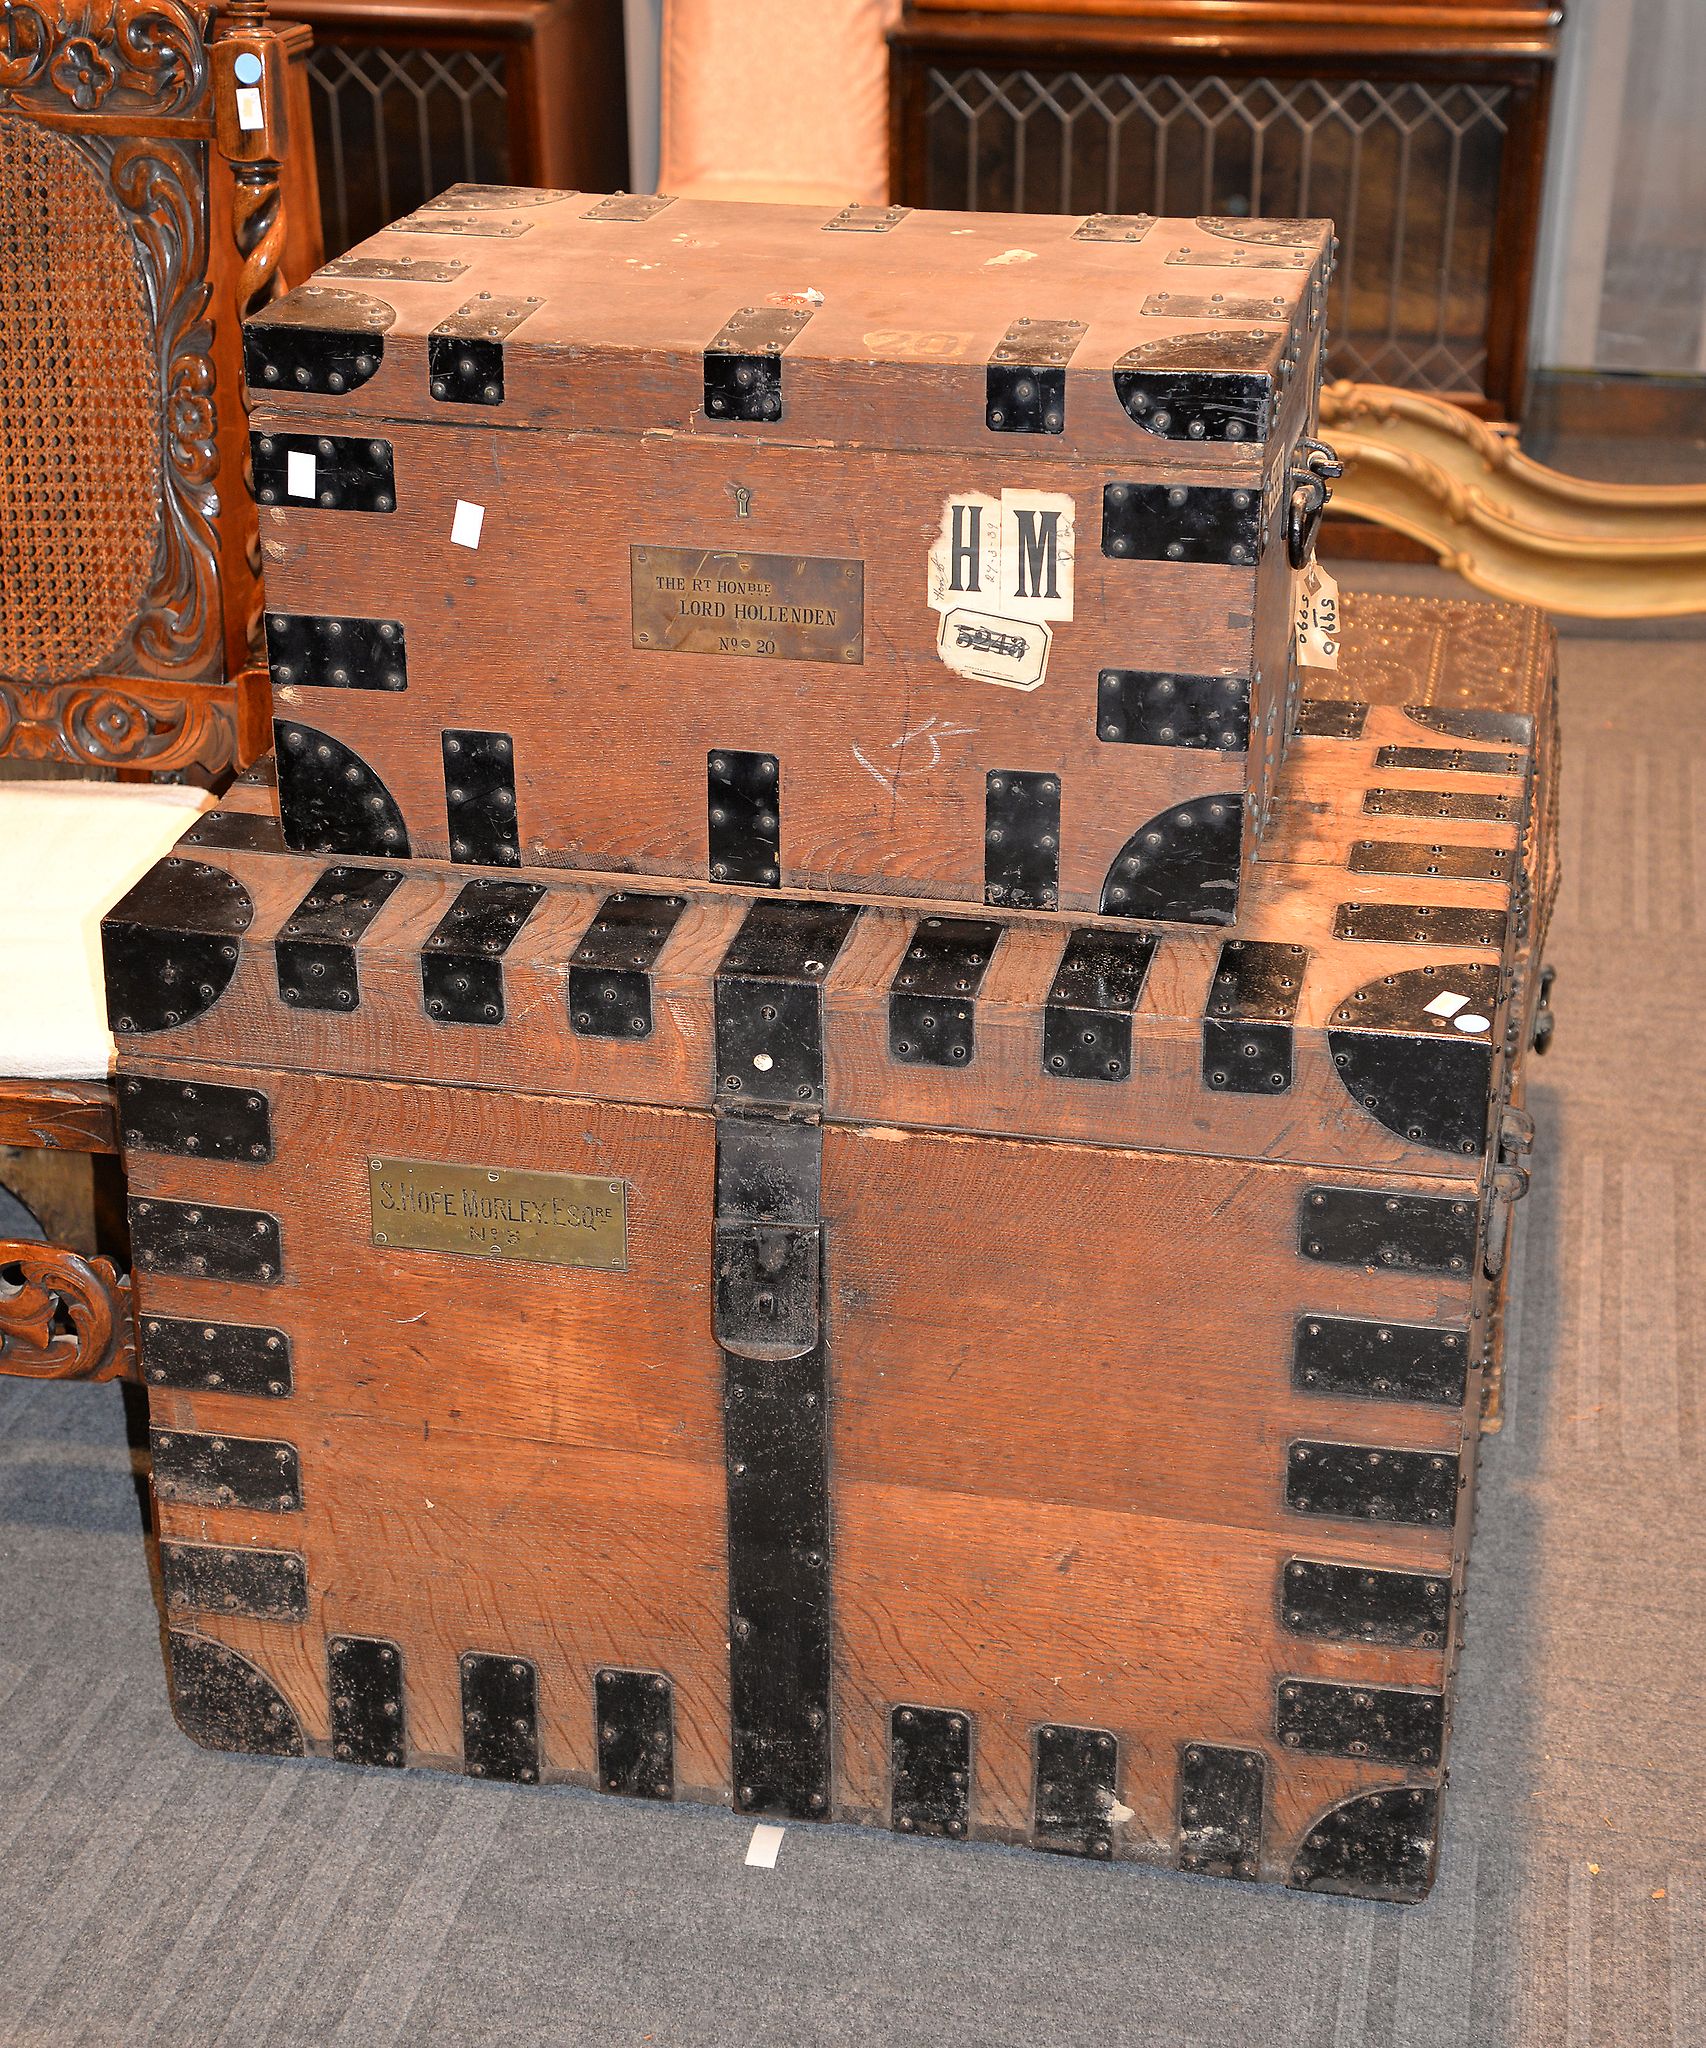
x: 236, y: 832
x: 610, y: 976
x: 170, y: 945
x: 1373, y: 1723
x: 216, y: 1358
x: 198, y: 1241
x: 214, y: 1578
x: 350, y: 474
x: 1087, y: 1021
x: 1247, y: 1027
x: 1202, y: 523
x: 1021, y: 839
x: 1075, y: 1787
x: 462, y: 970
x: 636, y: 1733
x: 1214, y: 385
x: 933, y: 996
x: 1380, y: 1361
x: 195, y: 1119
x: 500, y: 1717
x: 1400, y: 1232
x: 1371, y: 1483
x: 315, y: 951
x: 743, y: 795
x: 1416, y: 1069
x: 1220, y: 1809
x: 314, y: 651
x: 1356, y: 1603
x: 1147, y: 707
x: 318, y: 338
x: 330, y: 801
x: 1182, y: 866
x: 193, y: 1468
x: 479, y: 798
x: 1376, y: 1845
x: 769, y: 1003
x: 930, y: 1771
x: 364, y: 1682
x: 223, y: 1701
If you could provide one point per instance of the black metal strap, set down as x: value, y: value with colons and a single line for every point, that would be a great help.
x: 933, y: 996
x: 462, y: 974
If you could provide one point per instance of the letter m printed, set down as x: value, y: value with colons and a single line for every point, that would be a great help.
x: 1038, y: 553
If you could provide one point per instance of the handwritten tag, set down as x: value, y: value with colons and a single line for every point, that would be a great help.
x: 1316, y: 618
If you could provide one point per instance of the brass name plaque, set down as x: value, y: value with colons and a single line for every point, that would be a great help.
x: 492, y: 1212
x: 772, y: 607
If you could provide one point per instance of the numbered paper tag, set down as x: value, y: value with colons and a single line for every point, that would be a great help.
x: 1316, y: 618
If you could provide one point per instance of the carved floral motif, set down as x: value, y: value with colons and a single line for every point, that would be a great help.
x: 107, y: 57
x: 45, y: 1286
x: 96, y: 725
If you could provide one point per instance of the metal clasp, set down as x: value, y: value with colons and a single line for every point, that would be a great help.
x: 1310, y: 480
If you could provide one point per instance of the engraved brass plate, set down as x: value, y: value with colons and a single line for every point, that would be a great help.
x: 492, y: 1212
x: 772, y: 607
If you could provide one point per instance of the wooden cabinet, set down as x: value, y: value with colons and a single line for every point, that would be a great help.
x: 410, y: 96
x: 1419, y: 129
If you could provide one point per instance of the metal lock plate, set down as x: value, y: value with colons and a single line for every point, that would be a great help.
x: 1076, y: 1780
x: 1355, y: 1603
x: 197, y: 1241
x: 1026, y: 377
x: 309, y: 651
x: 1087, y: 1020
x: 1145, y: 707
x: 195, y: 1469
x: 1378, y: 1361
x: 1375, y: 1724
x: 636, y: 1733
x: 1021, y: 839
x: 1247, y: 1028
x: 933, y: 996
x: 930, y: 1771
x: 610, y: 977
x: 768, y: 1281
x: 331, y: 472
x: 769, y: 1003
x: 479, y: 798
x: 1371, y: 1483
x: 743, y: 799
x: 195, y: 1119
x: 1202, y: 523
x: 214, y: 1578
x: 500, y: 1717
x: 1398, y: 1232
x: 465, y: 353
x: 315, y: 951
x: 462, y: 979
x: 216, y: 1358
x: 743, y: 363
x: 364, y: 1683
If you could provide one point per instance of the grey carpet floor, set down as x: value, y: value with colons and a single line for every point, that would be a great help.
x: 151, y: 1892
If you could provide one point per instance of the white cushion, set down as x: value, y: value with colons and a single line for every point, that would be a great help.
x: 68, y: 852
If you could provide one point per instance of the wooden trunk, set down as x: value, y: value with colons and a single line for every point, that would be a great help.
x: 933, y: 556
x: 841, y: 1360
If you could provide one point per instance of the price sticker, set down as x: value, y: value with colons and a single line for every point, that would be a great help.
x: 1315, y: 618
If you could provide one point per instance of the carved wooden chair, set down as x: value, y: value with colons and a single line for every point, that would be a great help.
x: 149, y: 201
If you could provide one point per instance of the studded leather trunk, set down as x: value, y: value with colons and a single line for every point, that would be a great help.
x: 939, y: 1370
x: 931, y: 556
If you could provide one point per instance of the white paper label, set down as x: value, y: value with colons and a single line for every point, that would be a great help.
x: 298, y: 474
x: 465, y: 524
x: 1316, y: 618
x: 998, y: 570
x: 765, y: 1846
x: 1445, y: 1004
x: 249, y: 114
